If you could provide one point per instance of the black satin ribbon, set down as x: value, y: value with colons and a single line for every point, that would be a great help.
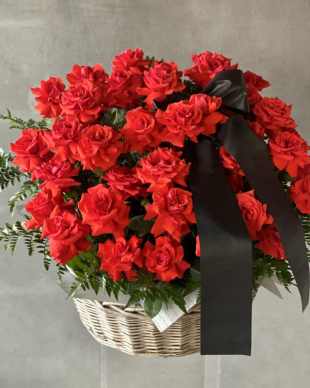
x: 226, y: 250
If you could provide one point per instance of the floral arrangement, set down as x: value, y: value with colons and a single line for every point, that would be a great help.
x: 106, y: 182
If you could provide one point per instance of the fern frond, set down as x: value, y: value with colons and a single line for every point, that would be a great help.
x: 12, y: 233
x: 27, y: 190
x: 305, y: 221
x: 74, y: 289
x: 61, y: 270
x: 17, y: 123
x: 8, y: 174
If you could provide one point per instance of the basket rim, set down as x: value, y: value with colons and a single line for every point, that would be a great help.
x: 120, y: 307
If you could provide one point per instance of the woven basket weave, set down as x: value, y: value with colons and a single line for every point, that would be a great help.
x: 133, y: 332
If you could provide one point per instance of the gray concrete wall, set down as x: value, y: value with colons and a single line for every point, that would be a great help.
x: 42, y: 342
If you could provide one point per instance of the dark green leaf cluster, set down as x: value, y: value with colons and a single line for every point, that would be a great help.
x: 141, y: 226
x: 86, y: 267
x: 191, y: 87
x: 114, y: 117
x: 268, y: 266
x: 153, y: 294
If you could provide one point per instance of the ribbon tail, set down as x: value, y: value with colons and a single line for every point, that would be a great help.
x: 226, y: 255
x: 253, y: 157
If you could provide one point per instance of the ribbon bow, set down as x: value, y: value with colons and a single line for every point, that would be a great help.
x: 226, y: 247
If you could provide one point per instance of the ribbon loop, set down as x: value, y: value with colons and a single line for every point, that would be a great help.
x: 230, y: 86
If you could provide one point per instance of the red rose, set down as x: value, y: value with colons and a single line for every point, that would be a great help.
x: 49, y: 95
x: 258, y: 128
x: 141, y: 130
x: 81, y: 102
x: 43, y: 205
x: 131, y: 61
x: 161, y: 167
x: 99, y: 147
x: 289, y: 152
x: 124, y: 179
x: 66, y: 234
x: 104, y: 210
x: 31, y: 149
x: 270, y: 242
x: 229, y: 162
x: 209, y: 106
x: 96, y: 75
x: 299, y: 192
x: 123, y: 89
x: 56, y: 173
x: 254, y: 83
x: 206, y: 66
x: 161, y: 80
x: 64, y: 137
x: 173, y: 209
x: 117, y: 257
x: 233, y: 170
x: 93, y: 79
x: 197, y: 252
x: 304, y: 171
x: 181, y: 119
x: 165, y: 259
x: 254, y: 212
x: 275, y: 115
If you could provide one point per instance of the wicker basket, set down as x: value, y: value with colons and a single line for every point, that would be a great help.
x: 132, y: 331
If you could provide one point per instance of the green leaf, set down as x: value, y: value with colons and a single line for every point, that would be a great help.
x: 145, y: 202
x: 152, y: 307
x: 116, y: 289
x: 196, y: 275
x: 114, y: 117
x: 47, y: 262
x: 135, y: 298
x: 176, y: 294
x: 61, y: 271
x: 284, y: 176
x: 152, y: 61
x: 193, y: 283
x: 73, y: 263
x: 140, y: 225
x: 192, y: 87
x: 95, y: 283
x: 49, y: 121
x: 129, y: 159
x: 98, y: 171
x: 74, y: 289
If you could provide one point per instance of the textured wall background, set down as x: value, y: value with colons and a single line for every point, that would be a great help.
x: 43, y: 343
